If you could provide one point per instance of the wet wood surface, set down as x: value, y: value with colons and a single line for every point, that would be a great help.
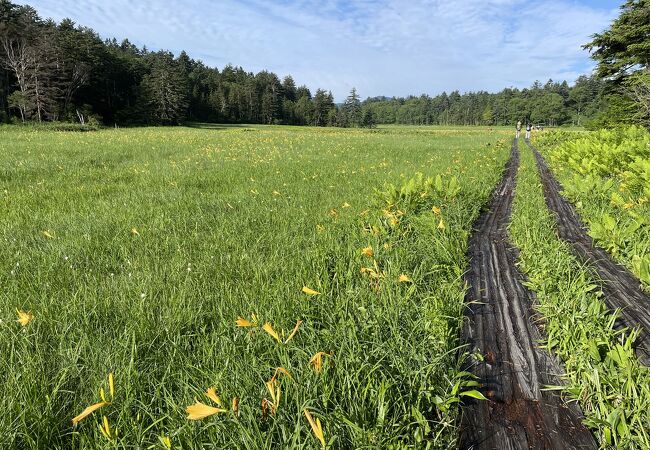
x: 512, y: 369
x: 620, y: 288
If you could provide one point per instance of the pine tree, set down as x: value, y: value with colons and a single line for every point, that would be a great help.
x: 625, y: 43
x: 164, y: 91
x: 352, y: 108
x: 289, y: 90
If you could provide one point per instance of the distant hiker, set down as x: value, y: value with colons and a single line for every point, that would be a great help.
x: 518, y: 129
x: 528, y: 128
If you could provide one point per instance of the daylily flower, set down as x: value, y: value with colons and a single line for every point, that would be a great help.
x: 316, y: 361
x: 106, y: 430
x: 88, y: 411
x: 271, y: 332
x: 310, y: 291
x: 274, y: 390
x: 282, y: 370
x: 240, y: 322
x: 92, y: 408
x: 403, y: 278
x: 24, y: 317
x: 316, y: 427
x: 199, y: 411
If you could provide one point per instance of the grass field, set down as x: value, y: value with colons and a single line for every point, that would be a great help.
x: 137, y: 250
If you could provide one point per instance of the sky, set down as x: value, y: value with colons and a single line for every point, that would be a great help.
x: 381, y: 47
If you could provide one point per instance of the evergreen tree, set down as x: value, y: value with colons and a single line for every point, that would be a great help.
x: 289, y: 89
x: 625, y: 44
x: 352, y: 109
x: 368, y: 118
x: 164, y: 91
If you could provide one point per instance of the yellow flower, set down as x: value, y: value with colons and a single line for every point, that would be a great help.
x: 435, y: 210
x: 211, y: 393
x: 441, y: 225
x: 199, y: 411
x: 271, y: 332
x: 367, y: 251
x: 274, y: 390
x: 316, y: 427
x: 106, y: 430
x: 403, y: 278
x: 316, y: 361
x: 111, y: 385
x: 166, y: 442
x: 24, y: 317
x: 88, y: 411
x: 48, y: 235
x: 309, y: 291
x: 346, y: 205
x: 293, y: 333
x: 282, y: 370
x: 374, y: 273
x: 240, y: 322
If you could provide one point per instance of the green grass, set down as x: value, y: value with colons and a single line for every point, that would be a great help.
x: 602, y: 371
x: 234, y: 221
x: 606, y: 174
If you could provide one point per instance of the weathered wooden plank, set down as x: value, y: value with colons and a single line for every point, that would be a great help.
x: 620, y: 288
x: 513, y: 370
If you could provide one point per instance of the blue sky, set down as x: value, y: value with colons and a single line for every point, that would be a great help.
x: 382, y: 47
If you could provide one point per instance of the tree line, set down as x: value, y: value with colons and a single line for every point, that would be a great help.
x: 65, y: 72
x: 550, y: 104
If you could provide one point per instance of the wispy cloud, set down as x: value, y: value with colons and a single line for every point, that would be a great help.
x: 383, y: 47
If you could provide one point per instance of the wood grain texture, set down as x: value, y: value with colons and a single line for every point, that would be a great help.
x: 621, y: 289
x: 500, y: 326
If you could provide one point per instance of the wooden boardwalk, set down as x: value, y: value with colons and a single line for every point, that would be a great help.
x: 513, y: 369
x: 620, y: 288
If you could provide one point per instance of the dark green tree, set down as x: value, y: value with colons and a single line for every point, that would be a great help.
x: 352, y: 109
x: 368, y: 118
x: 164, y: 91
x: 625, y: 45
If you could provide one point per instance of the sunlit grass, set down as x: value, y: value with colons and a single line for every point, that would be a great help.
x: 161, y: 255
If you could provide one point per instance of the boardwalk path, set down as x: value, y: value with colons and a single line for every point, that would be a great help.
x: 620, y: 288
x: 518, y: 414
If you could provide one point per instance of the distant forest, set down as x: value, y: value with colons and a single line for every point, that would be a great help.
x: 64, y: 72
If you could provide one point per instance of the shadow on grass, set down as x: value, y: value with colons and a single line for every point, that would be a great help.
x: 218, y: 126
